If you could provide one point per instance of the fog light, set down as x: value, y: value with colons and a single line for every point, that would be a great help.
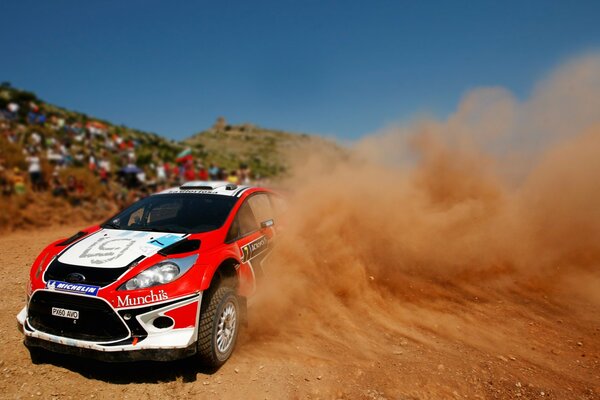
x: 163, y: 322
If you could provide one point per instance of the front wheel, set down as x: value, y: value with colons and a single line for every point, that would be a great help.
x: 218, y: 327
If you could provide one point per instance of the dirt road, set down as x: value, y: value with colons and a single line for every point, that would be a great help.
x: 457, y: 342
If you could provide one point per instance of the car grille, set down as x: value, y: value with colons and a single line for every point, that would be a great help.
x: 97, y: 322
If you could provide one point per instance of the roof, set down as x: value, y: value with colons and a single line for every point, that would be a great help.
x: 209, y: 187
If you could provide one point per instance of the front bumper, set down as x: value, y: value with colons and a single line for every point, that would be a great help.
x: 138, y: 340
x: 113, y: 356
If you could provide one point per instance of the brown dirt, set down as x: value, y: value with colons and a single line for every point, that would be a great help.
x: 457, y: 341
x: 36, y: 210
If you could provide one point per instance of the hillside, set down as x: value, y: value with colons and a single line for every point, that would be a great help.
x: 57, y: 119
x: 265, y: 151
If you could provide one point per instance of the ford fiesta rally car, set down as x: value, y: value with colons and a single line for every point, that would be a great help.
x: 164, y: 279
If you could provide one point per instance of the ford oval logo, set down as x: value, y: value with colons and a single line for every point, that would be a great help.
x: 75, y: 278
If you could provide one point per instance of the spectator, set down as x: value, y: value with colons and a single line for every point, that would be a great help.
x: 202, y: 172
x: 103, y: 173
x: 18, y: 182
x: 13, y: 110
x: 92, y: 162
x: 232, y: 177
x: 214, y: 172
x: 58, y: 189
x: 188, y: 172
x: 35, y: 139
x: 161, y: 174
x: 244, y: 174
x: 35, y: 172
x: 71, y: 184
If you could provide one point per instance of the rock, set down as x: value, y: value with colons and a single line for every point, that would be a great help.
x: 440, y: 367
x: 579, y: 344
x: 236, y: 370
x: 319, y: 377
x: 503, y: 358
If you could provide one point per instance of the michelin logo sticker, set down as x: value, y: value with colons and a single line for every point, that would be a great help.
x: 73, y: 287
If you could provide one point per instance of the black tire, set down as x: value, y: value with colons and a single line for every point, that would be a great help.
x: 211, y: 350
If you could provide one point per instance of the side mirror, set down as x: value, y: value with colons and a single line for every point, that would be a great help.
x: 267, y: 224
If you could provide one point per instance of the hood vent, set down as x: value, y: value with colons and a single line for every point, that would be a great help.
x: 72, y: 239
x: 183, y: 246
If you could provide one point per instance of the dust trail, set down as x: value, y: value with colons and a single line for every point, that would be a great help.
x: 501, y: 196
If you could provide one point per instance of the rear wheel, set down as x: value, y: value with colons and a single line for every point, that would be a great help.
x: 218, y: 327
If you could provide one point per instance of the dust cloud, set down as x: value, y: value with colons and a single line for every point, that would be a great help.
x: 499, y: 201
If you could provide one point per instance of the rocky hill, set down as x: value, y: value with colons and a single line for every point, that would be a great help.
x: 265, y: 151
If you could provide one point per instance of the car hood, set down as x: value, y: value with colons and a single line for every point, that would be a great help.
x: 115, y: 248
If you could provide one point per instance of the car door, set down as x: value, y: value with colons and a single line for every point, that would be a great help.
x: 253, y: 232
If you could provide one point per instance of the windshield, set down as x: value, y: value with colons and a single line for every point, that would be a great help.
x: 180, y: 213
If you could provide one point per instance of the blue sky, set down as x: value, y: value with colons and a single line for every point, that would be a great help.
x: 337, y: 68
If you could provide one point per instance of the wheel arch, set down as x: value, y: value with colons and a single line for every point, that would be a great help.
x: 226, y: 271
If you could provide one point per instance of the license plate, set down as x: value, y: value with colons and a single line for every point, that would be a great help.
x: 63, y: 312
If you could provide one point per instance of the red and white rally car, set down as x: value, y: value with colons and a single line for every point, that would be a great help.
x: 164, y: 279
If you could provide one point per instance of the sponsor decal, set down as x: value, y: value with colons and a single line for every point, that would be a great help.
x: 195, y: 191
x: 107, y: 249
x: 165, y: 241
x: 152, y: 297
x: 73, y: 287
x: 254, y: 248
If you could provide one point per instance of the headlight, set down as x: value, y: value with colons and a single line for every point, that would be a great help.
x: 159, y: 274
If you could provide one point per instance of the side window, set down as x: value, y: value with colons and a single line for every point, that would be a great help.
x: 243, y: 224
x: 261, y: 207
x: 234, y: 231
x: 246, y: 219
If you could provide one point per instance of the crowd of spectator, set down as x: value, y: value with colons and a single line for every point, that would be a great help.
x: 54, y: 149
